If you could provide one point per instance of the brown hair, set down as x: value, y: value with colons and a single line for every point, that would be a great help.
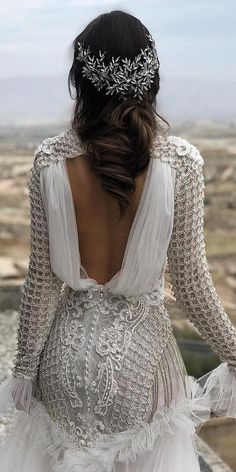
x: 117, y: 135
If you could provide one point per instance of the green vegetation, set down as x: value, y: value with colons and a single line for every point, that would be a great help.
x: 198, y: 364
x: 198, y: 357
x: 187, y: 334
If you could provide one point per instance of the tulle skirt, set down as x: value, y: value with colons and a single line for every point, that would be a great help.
x: 37, y: 444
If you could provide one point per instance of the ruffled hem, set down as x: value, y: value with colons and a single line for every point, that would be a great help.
x: 219, y: 387
x: 17, y: 392
x: 38, y: 444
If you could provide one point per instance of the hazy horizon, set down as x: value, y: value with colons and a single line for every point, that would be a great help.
x: 195, y: 44
x: 46, y: 100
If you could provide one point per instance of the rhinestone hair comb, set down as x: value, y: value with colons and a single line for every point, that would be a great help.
x: 120, y: 76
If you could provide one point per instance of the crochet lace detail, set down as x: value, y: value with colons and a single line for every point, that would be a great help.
x: 187, y: 262
x: 192, y: 283
x: 41, y: 290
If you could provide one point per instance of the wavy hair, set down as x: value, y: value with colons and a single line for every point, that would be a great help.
x: 117, y: 135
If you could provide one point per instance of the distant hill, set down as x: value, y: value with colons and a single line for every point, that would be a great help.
x: 45, y: 100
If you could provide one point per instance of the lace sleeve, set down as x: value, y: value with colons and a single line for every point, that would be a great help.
x: 191, y: 280
x: 41, y: 289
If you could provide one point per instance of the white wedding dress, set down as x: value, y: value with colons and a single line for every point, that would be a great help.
x: 98, y: 382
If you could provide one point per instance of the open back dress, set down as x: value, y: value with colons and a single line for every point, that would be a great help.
x: 98, y: 382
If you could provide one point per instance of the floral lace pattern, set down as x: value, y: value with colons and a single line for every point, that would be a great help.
x: 99, y: 360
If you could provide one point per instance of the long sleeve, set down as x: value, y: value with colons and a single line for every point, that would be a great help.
x: 190, y: 276
x: 41, y: 289
x: 188, y: 267
x: 40, y: 297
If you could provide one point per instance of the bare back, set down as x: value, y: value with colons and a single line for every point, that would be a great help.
x: 102, y: 237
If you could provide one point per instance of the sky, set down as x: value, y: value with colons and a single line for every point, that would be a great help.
x: 194, y: 38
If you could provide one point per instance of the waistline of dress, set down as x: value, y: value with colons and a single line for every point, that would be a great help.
x: 153, y: 296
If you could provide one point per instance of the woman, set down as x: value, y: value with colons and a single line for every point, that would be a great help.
x: 98, y: 380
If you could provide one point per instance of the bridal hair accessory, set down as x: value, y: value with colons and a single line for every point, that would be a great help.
x: 121, y: 76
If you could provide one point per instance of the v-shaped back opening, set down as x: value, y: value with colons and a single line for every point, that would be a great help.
x: 132, y: 228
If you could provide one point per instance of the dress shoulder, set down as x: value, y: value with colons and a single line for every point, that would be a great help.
x: 57, y: 148
x: 179, y: 152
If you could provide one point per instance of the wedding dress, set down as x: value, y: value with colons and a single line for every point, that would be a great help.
x: 98, y: 381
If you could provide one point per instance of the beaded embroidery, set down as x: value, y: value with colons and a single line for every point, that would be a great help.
x: 100, y: 371
x: 101, y: 361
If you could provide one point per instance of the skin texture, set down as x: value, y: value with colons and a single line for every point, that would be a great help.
x: 102, y: 238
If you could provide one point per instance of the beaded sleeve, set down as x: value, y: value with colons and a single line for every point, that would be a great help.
x: 191, y: 280
x: 41, y: 290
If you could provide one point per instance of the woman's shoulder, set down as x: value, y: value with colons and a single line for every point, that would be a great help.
x: 56, y: 148
x: 175, y: 150
x: 178, y: 152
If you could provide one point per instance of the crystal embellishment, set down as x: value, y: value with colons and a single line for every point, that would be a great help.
x: 121, y: 75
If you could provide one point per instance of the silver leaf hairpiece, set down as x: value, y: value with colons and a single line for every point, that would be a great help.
x: 120, y: 76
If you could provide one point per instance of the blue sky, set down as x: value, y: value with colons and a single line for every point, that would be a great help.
x: 194, y: 38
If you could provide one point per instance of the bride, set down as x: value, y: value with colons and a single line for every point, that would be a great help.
x: 98, y: 382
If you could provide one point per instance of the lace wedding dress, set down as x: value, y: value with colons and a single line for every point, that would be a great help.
x: 98, y: 381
